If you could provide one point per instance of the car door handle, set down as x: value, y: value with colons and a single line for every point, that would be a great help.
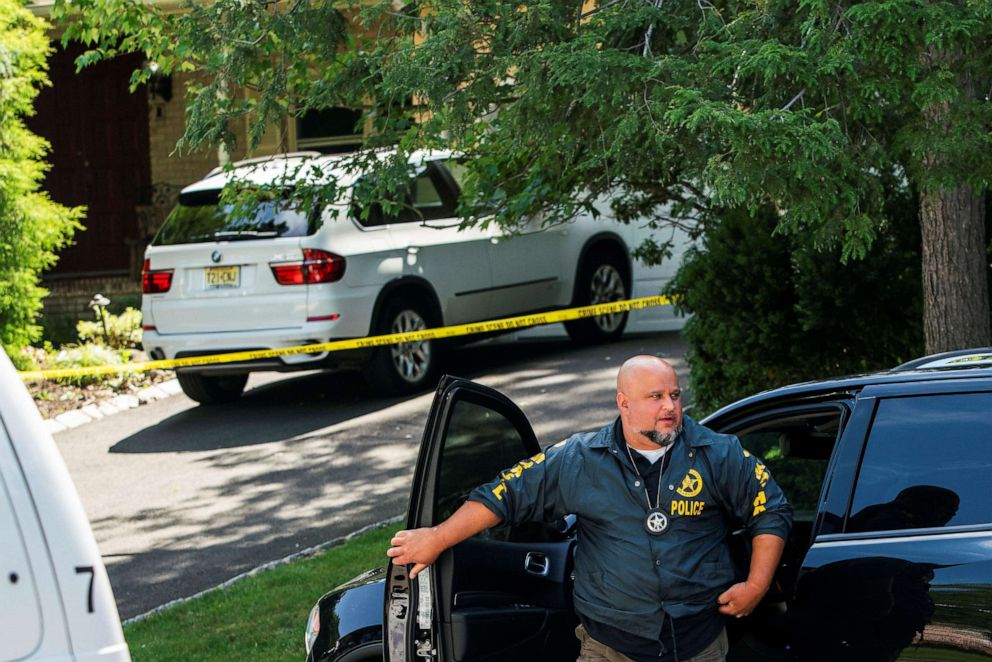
x: 537, y: 563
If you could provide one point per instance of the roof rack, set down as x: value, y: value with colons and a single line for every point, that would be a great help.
x: 262, y: 159
x: 975, y: 357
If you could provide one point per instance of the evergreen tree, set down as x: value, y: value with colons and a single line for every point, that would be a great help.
x: 770, y: 310
x: 32, y: 227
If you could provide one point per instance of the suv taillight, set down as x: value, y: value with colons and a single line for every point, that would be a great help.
x: 317, y: 267
x: 155, y: 282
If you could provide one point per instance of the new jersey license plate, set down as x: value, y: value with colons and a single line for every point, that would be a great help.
x: 217, y: 277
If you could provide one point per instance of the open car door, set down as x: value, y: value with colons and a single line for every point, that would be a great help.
x: 796, y: 442
x: 502, y: 595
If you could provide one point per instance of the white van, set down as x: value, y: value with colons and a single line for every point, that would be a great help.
x: 55, y: 598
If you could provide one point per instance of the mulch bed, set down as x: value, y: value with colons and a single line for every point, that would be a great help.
x: 57, y: 397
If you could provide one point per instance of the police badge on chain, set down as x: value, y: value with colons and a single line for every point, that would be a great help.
x: 656, y: 523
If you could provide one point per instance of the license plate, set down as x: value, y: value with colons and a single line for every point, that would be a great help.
x: 217, y: 277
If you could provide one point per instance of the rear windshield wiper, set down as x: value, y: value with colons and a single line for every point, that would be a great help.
x: 235, y: 235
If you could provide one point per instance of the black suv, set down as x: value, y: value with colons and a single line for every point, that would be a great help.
x: 890, y: 556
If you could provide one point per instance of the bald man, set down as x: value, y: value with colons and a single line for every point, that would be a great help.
x: 655, y: 495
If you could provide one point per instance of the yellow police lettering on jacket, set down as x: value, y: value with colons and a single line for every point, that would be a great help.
x: 758, y: 503
x: 761, y: 474
x: 682, y: 507
x: 516, y: 471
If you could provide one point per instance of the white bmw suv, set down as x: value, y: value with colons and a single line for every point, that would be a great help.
x: 216, y: 281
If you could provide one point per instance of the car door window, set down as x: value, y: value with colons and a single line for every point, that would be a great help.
x: 927, y: 463
x: 795, y: 443
x: 479, y: 443
x: 428, y: 197
x: 796, y: 449
x: 458, y: 171
x: 457, y: 178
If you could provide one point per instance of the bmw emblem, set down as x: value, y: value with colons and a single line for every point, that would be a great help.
x: 215, y: 256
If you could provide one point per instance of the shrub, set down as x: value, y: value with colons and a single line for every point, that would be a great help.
x: 118, y: 331
x: 32, y: 227
x: 770, y: 310
x: 23, y: 358
x: 88, y: 355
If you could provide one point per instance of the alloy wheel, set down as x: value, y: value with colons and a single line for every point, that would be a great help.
x: 606, y: 286
x: 411, y: 359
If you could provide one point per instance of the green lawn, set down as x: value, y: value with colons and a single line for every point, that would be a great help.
x: 258, y: 618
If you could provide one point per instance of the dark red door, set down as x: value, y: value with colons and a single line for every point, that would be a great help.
x: 100, y: 156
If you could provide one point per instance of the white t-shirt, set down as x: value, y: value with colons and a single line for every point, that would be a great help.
x: 655, y: 455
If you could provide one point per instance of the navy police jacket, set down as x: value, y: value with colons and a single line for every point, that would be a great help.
x: 624, y: 576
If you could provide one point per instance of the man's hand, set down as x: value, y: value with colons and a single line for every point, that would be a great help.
x: 419, y: 547
x: 740, y: 599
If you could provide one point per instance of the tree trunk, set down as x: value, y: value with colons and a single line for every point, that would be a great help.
x: 955, y: 273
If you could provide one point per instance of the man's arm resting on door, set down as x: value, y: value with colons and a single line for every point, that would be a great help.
x: 421, y: 547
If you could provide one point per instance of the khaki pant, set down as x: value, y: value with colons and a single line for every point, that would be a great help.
x: 593, y: 651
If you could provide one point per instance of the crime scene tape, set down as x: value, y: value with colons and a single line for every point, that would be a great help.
x: 505, y: 324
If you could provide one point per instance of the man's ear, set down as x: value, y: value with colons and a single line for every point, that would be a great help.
x: 621, y: 401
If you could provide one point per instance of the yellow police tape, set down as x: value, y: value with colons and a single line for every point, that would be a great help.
x: 506, y: 324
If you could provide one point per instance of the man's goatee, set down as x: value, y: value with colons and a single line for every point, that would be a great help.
x: 662, y: 438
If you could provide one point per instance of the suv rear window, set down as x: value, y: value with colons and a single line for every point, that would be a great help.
x: 928, y: 463
x: 199, y: 217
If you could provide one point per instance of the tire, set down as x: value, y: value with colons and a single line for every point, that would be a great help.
x: 407, y: 367
x: 208, y: 390
x: 603, y: 278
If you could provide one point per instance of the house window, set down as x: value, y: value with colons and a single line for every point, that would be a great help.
x: 329, y: 130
